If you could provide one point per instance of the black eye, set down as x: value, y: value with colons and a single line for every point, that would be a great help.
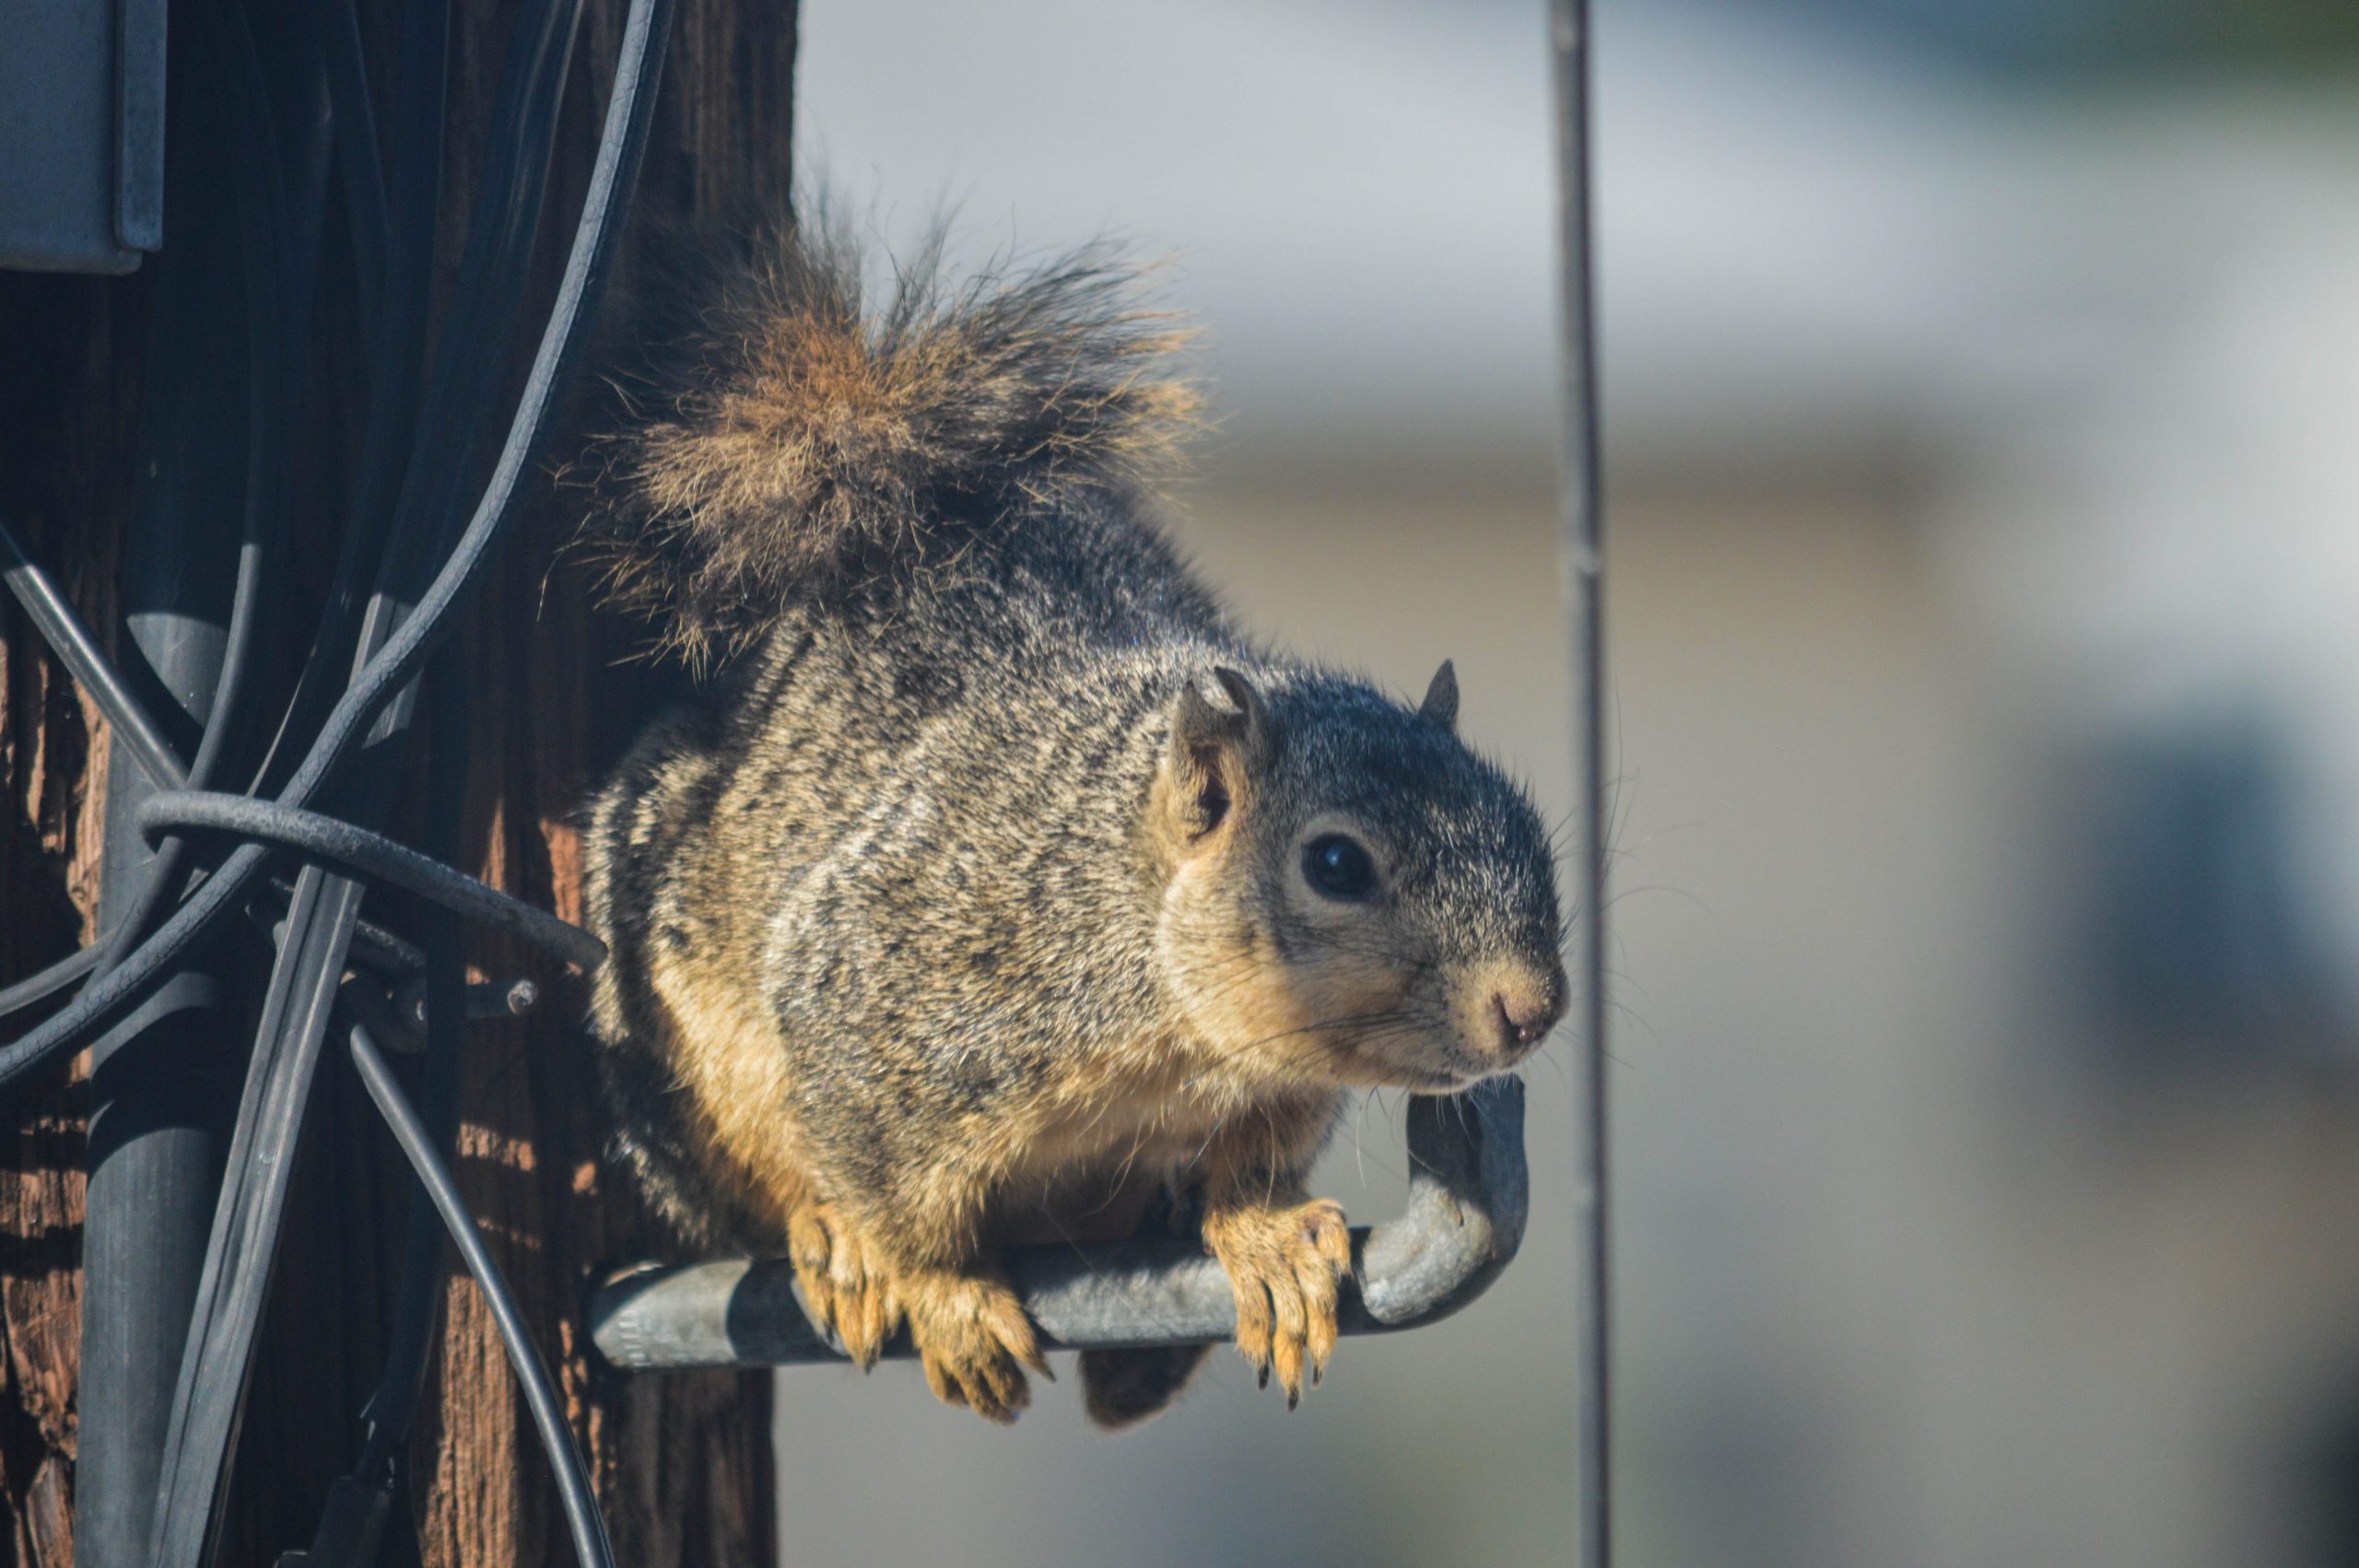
x: 1338, y: 867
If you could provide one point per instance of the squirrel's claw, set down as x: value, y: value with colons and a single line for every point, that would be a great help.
x: 1285, y: 1265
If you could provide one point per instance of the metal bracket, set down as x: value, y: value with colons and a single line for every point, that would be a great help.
x: 1469, y: 1192
x: 81, y: 135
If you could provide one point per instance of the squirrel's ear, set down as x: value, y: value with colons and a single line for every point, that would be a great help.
x: 1249, y: 706
x: 1212, y: 747
x: 1441, y: 698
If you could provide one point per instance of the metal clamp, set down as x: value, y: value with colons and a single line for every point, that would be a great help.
x: 1468, y: 1191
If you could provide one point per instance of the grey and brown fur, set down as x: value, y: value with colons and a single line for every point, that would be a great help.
x: 969, y: 904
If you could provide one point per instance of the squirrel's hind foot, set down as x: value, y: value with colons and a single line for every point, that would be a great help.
x: 975, y: 1341
x: 1284, y: 1262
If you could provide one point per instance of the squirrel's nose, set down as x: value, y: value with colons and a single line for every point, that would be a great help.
x: 1524, y: 1013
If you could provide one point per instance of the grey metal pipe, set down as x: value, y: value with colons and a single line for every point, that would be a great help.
x: 162, y: 1080
x: 1469, y: 1192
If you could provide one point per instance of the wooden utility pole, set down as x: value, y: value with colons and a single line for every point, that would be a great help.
x: 682, y: 1463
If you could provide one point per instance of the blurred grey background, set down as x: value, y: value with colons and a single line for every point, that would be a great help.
x: 1981, y: 386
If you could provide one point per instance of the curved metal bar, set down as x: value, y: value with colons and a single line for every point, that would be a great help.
x: 1469, y: 1191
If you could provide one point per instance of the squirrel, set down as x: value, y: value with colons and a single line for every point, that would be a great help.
x: 997, y: 887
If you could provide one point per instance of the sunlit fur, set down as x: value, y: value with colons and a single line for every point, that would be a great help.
x: 967, y: 902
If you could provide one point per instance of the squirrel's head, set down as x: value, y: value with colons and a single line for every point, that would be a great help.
x: 1350, y: 893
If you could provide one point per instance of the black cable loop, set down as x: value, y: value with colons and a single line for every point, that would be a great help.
x: 372, y: 856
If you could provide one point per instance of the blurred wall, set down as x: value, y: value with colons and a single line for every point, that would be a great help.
x: 1982, y: 680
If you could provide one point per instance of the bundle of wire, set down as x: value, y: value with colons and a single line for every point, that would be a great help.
x: 404, y: 536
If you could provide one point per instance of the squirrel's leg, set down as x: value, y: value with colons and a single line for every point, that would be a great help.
x: 1285, y: 1252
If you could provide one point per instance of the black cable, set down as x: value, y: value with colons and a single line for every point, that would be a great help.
x: 336, y: 35
x: 579, y: 1503
x: 513, y: 185
x: 229, y: 1306
x: 53, y: 616
x: 278, y: 259
x: 279, y: 291
x: 373, y: 856
x: 622, y: 143
x: 397, y: 354
x: 393, y: 1405
x: 44, y: 984
x: 217, y: 1360
x: 373, y: 947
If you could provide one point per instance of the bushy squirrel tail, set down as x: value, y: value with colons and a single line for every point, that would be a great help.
x: 802, y: 447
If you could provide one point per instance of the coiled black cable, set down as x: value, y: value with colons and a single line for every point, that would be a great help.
x: 373, y: 856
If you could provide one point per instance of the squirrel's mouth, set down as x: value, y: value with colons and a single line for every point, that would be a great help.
x: 1422, y: 1078
x: 1418, y: 1081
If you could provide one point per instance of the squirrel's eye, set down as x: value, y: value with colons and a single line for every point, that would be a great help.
x: 1339, y: 867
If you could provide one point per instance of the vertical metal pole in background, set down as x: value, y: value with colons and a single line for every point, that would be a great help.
x: 1584, y: 568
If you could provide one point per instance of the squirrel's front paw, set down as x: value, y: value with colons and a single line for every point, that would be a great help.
x: 1285, y: 1264
x: 848, y: 1291
x: 975, y: 1341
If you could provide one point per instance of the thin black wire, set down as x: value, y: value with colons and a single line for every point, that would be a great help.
x: 373, y: 947
x: 54, y: 617
x: 392, y: 237
x: 1584, y: 560
x: 578, y: 1501
x: 336, y: 35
